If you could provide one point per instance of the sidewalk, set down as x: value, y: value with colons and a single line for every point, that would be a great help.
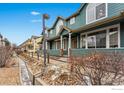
x: 60, y: 61
x: 24, y: 76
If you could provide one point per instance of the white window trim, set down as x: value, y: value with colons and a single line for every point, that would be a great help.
x: 101, y: 29
x: 100, y: 18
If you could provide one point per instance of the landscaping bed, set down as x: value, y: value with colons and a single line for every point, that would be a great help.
x: 55, y: 75
x: 32, y: 63
x: 51, y: 74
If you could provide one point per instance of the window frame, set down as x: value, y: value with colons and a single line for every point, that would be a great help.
x: 101, y: 29
x: 106, y: 15
x: 111, y: 33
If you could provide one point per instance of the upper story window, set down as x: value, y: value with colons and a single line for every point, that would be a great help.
x: 58, y: 26
x: 72, y: 20
x: 96, y: 11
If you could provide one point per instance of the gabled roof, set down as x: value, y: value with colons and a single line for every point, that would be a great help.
x: 58, y: 35
x: 34, y: 37
x: 77, y: 12
x: 59, y: 17
x: 64, y: 27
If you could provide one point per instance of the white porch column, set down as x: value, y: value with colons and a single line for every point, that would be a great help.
x: 69, y: 44
x: 119, y: 43
x: 86, y: 46
x: 107, y: 38
x: 61, y: 37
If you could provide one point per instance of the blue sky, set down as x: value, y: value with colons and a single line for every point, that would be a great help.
x: 18, y: 22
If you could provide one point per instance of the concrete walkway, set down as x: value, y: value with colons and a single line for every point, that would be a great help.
x: 24, y: 76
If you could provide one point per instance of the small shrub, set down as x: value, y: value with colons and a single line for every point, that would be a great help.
x: 5, y: 55
x: 99, y: 68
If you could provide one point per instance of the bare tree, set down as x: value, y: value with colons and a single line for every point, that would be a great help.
x: 99, y: 68
x: 5, y: 55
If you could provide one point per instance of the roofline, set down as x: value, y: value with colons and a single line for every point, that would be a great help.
x: 24, y: 42
x: 98, y: 23
x: 73, y: 15
x: 66, y: 28
x: 77, y: 12
x: 58, y: 17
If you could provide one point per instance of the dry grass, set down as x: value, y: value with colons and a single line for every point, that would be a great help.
x: 10, y: 74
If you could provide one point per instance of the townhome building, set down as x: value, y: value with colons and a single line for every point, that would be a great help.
x: 32, y: 45
x: 94, y: 26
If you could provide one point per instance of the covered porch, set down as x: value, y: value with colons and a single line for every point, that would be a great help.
x: 106, y: 35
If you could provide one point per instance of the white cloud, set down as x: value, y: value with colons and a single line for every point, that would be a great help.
x: 36, y: 21
x: 35, y: 13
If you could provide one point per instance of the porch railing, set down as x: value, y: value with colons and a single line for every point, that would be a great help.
x: 80, y: 51
x: 54, y: 52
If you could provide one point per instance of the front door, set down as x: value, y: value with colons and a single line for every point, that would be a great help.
x: 74, y: 42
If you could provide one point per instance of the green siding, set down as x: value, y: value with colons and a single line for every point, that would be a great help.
x: 53, y: 45
x: 54, y: 52
x: 79, y: 20
x: 115, y: 9
x: 53, y: 33
x: 81, y: 52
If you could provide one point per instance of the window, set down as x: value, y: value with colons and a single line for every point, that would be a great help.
x: 100, y: 11
x: 101, y: 39
x: 97, y: 39
x: 113, y: 37
x: 91, y: 40
x: 95, y: 11
x: 72, y: 20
